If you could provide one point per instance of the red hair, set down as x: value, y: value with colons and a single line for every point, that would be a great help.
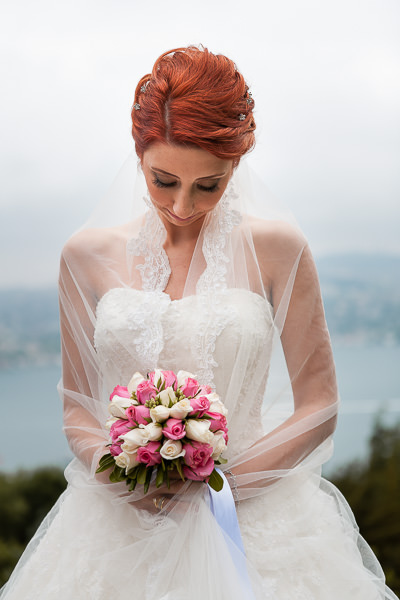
x: 194, y: 97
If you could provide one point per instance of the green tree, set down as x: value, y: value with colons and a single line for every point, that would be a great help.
x: 25, y: 499
x: 372, y: 488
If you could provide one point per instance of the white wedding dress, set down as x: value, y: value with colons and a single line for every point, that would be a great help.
x: 298, y: 541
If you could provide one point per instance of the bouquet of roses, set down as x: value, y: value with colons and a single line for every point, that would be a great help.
x: 165, y: 421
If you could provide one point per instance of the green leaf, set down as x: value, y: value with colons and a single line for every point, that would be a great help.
x: 215, y: 481
x: 105, y: 463
x: 149, y: 471
x: 132, y: 473
x: 160, y: 476
x: 221, y: 461
x: 117, y: 475
x: 141, y: 475
x: 132, y: 485
x: 106, y: 458
x: 178, y: 466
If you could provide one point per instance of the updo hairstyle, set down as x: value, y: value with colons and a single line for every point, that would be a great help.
x: 194, y: 97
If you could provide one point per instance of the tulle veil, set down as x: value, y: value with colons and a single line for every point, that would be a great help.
x: 282, y: 407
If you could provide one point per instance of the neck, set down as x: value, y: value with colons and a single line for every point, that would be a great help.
x: 181, y: 235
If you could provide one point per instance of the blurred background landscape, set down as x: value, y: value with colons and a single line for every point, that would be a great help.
x: 326, y: 82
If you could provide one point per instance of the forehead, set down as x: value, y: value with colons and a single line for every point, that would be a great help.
x: 184, y: 161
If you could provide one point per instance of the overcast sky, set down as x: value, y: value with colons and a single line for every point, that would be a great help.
x: 325, y: 77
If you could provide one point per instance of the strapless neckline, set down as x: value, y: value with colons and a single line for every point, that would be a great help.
x: 192, y: 297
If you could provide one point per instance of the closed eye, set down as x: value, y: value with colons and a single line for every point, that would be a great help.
x: 163, y: 184
x: 205, y: 188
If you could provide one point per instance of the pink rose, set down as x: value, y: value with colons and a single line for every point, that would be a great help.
x: 115, y: 449
x: 119, y: 428
x: 169, y: 379
x: 149, y: 454
x: 197, y: 454
x: 145, y: 391
x: 199, y: 473
x: 190, y: 387
x: 138, y: 415
x: 120, y: 391
x: 199, y: 405
x: 205, y: 389
x: 174, y: 429
x: 217, y: 422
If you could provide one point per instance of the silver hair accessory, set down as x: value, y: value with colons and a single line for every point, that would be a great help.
x: 144, y: 86
x: 242, y: 117
x: 249, y: 100
x: 136, y: 106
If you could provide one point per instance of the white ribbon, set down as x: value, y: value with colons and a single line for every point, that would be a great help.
x: 223, y: 508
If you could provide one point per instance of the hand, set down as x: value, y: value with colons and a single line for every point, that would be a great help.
x: 164, y: 499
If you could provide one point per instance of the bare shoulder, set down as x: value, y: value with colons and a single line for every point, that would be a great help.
x: 84, y: 243
x: 87, y: 256
x: 275, y: 238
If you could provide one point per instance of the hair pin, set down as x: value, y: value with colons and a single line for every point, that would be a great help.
x: 136, y: 106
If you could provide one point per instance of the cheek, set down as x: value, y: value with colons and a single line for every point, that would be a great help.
x: 159, y: 196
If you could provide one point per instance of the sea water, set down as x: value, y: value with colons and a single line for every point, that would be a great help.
x: 31, y: 413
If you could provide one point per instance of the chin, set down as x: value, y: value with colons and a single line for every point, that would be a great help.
x: 175, y: 220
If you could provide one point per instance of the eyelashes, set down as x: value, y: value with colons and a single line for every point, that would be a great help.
x: 212, y: 188
x: 161, y: 184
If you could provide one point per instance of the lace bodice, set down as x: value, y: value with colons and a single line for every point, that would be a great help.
x: 138, y: 331
x: 222, y: 335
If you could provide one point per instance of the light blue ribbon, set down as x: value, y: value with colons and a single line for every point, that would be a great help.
x: 222, y: 506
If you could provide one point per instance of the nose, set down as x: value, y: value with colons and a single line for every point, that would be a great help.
x: 183, y: 206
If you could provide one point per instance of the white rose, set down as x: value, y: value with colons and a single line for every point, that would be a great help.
x: 198, y: 430
x: 126, y: 461
x: 117, y: 406
x: 134, y: 382
x: 167, y: 395
x: 181, y: 409
x: 216, y: 405
x: 181, y: 377
x: 158, y: 378
x: 159, y: 413
x: 172, y: 449
x: 110, y: 422
x: 218, y: 444
x: 153, y: 431
x: 133, y: 439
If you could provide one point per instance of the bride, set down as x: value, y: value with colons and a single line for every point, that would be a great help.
x: 198, y: 277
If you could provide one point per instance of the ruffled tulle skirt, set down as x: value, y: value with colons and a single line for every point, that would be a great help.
x: 300, y: 539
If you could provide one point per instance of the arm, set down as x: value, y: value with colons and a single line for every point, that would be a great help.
x: 290, y: 276
x: 79, y: 377
x: 84, y: 404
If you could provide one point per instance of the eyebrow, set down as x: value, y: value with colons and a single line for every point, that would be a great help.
x: 198, y: 179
